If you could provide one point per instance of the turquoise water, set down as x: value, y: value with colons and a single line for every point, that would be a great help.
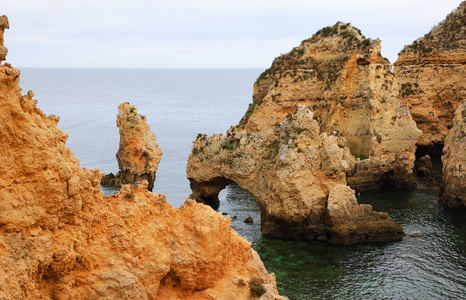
x: 428, y: 264
x: 180, y: 103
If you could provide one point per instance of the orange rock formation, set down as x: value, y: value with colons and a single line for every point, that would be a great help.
x: 314, y: 110
x: 298, y: 176
x: 60, y: 238
x: 431, y: 76
x: 454, y: 162
x: 3, y: 25
x: 139, y: 154
x: 342, y: 77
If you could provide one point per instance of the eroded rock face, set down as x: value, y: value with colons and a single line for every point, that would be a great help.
x: 36, y: 164
x: 60, y: 238
x: 298, y: 177
x: 139, y: 154
x: 3, y: 25
x: 348, y: 85
x: 454, y: 162
x: 431, y: 76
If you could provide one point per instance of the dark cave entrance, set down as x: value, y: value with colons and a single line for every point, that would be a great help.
x: 431, y: 150
x: 428, y: 165
x: 241, y: 205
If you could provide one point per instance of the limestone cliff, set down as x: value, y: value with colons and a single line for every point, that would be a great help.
x: 342, y: 77
x: 60, y: 238
x: 454, y: 162
x: 139, y: 154
x: 3, y: 25
x: 298, y: 177
x: 431, y: 76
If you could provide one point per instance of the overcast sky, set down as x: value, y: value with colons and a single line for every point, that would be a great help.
x: 198, y: 33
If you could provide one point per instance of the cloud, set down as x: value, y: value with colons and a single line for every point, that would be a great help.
x: 198, y: 33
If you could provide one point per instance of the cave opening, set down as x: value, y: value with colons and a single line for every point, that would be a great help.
x: 241, y: 205
x: 228, y: 198
x: 428, y: 164
x: 433, y: 150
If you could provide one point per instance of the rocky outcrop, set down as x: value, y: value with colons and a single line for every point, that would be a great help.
x: 342, y: 77
x: 298, y: 177
x: 430, y: 74
x: 139, y: 153
x: 60, y: 238
x: 454, y: 162
x: 3, y: 25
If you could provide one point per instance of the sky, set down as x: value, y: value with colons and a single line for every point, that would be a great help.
x: 198, y: 33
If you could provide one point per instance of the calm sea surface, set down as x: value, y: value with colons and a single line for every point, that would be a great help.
x: 180, y: 103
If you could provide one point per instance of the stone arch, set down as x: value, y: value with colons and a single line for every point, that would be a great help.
x: 207, y: 192
x: 298, y: 176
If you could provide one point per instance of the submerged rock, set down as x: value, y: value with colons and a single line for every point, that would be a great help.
x: 342, y: 77
x: 298, y: 176
x: 423, y: 166
x: 60, y: 238
x: 139, y: 153
x: 426, y: 175
x: 453, y: 192
x: 431, y: 74
x: 249, y: 220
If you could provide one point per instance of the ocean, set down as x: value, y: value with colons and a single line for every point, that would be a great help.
x: 430, y: 263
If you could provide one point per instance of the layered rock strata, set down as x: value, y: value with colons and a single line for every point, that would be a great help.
x: 348, y: 85
x: 431, y: 74
x: 3, y: 25
x: 297, y: 175
x: 139, y: 154
x: 60, y: 238
x: 454, y: 162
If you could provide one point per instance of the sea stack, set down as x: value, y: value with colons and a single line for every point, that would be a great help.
x: 454, y: 162
x: 298, y: 176
x: 61, y: 238
x: 139, y: 153
x: 431, y: 74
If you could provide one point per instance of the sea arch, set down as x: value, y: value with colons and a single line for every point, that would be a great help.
x: 298, y: 176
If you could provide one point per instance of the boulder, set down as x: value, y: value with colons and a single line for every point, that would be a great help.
x: 249, y: 220
x: 428, y: 172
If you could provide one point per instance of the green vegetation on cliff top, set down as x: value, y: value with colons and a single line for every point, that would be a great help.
x: 301, y: 66
x: 446, y: 34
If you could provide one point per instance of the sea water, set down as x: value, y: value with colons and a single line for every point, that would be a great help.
x: 430, y: 263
